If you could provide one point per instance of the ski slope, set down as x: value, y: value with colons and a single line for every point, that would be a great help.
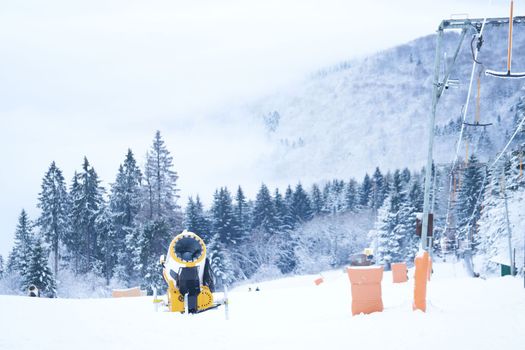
x: 290, y: 313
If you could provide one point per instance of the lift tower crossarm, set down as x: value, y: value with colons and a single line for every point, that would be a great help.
x: 478, y: 22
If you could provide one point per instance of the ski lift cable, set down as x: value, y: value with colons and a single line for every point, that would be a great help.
x: 465, y: 110
x: 494, y: 163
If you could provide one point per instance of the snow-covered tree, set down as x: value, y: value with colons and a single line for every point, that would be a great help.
x: 395, y: 226
x: 225, y: 238
x: 196, y: 220
x: 301, y: 207
x: 467, y: 206
x: 109, y: 243
x: 241, y: 211
x: 334, y: 197
x: 125, y: 203
x: 317, y: 200
x: 148, y: 249
x: 223, y: 218
x: 286, y: 262
x: 161, y: 192
x: 2, y: 267
x: 365, y: 192
x: 86, y: 202
x: 160, y: 215
x: 53, y: 202
x: 264, y: 216
x: 38, y: 272
x: 327, y: 241
x: 379, y: 189
x: 351, y: 195
x: 415, y: 196
x: 18, y: 259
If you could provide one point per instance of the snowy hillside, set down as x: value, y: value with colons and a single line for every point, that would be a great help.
x: 292, y: 313
x: 348, y: 119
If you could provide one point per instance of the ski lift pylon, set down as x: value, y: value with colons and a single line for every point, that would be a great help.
x: 508, y: 73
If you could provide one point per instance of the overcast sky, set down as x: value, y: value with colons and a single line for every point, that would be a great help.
x: 96, y: 77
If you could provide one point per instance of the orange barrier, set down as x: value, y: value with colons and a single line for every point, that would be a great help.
x: 318, y: 281
x: 422, y: 262
x: 366, y: 289
x: 399, y: 272
x: 125, y: 293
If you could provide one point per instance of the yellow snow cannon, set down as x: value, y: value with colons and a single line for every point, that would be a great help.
x: 188, y: 274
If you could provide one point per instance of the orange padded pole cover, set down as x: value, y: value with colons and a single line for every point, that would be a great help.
x: 422, y: 262
x: 399, y: 272
x: 318, y: 281
x: 366, y: 289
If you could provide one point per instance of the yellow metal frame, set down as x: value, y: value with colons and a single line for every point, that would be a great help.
x: 176, y: 299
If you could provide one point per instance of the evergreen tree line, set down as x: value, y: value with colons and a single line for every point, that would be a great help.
x: 119, y: 234
x: 116, y: 234
x: 247, y: 236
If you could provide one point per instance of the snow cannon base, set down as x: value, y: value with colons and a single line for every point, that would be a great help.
x: 203, y: 300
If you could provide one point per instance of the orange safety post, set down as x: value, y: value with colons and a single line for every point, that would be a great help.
x: 399, y: 272
x: 318, y: 281
x: 422, y: 262
x: 366, y: 289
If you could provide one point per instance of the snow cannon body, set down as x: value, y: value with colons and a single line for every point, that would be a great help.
x: 188, y: 274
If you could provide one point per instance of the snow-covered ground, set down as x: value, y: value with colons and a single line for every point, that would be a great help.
x: 291, y: 313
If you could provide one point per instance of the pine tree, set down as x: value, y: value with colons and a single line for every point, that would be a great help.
x: 301, y: 207
x: 397, y: 196
x: 388, y: 247
x: 287, y: 260
x: 20, y: 254
x: 264, y: 215
x: 193, y: 219
x: 405, y: 176
x: 282, y: 212
x: 2, y: 268
x: 415, y: 195
x: 351, y: 196
x: 161, y: 183
x: 335, y: 197
x: 379, y: 190
x: 288, y: 196
x: 395, y: 224
x: 54, y: 203
x: 224, y: 241
x: 365, y: 191
x: 317, y: 200
x: 242, y: 214
x: 467, y: 208
x: 223, y: 219
x: 161, y: 214
x: 86, y: 202
x: 147, y: 250
x: 109, y: 243
x: 125, y: 203
x: 405, y: 230
x: 38, y: 272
